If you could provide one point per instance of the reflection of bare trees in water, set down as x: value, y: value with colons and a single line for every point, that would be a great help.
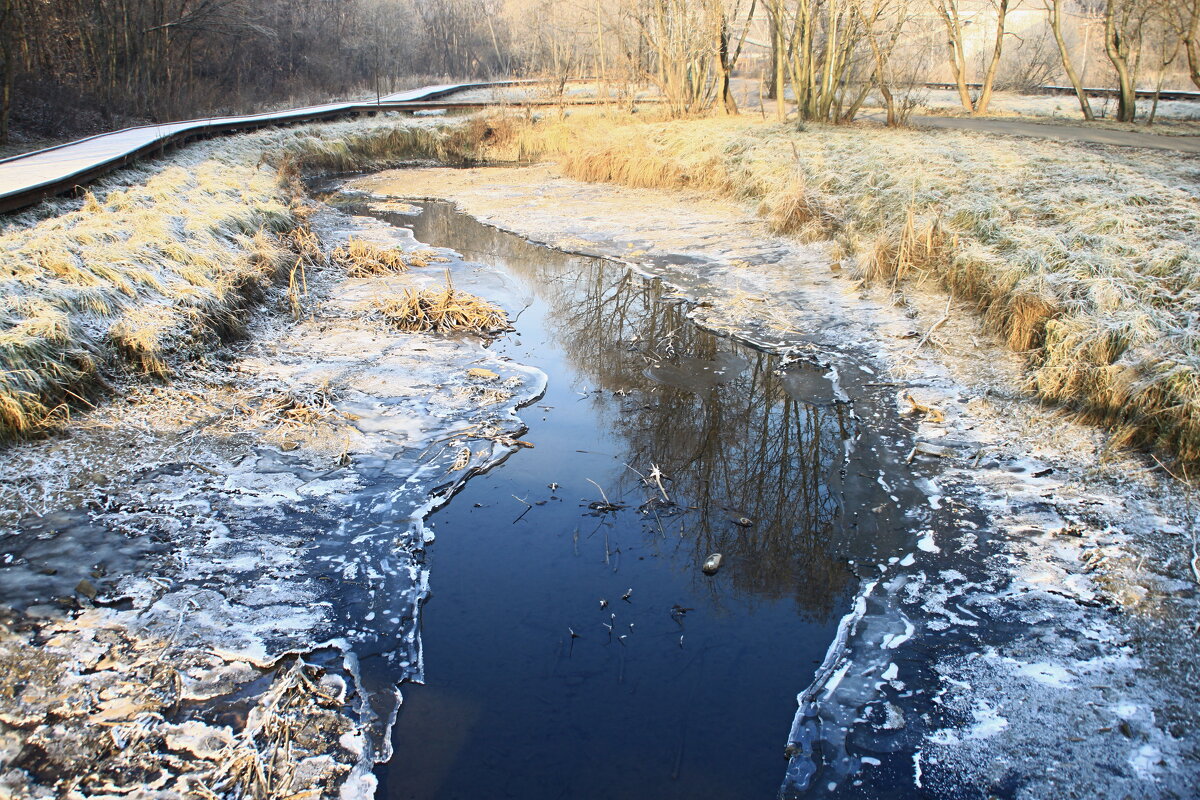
x: 749, y: 466
x: 753, y: 461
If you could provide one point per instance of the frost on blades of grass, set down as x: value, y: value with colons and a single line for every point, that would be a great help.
x: 159, y: 262
x: 1088, y: 260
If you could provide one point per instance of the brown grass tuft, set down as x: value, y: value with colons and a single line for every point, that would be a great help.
x: 442, y: 310
x: 362, y: 259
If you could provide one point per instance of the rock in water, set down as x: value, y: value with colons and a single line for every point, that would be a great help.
x: 712, y: 564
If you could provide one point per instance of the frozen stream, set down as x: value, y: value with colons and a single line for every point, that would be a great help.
x: 549, y: 632
x: 692, y: 691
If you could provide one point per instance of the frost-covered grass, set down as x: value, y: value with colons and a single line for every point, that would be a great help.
x: 158, y: 263
x: 1063, y: 107
x: 1086, y: 259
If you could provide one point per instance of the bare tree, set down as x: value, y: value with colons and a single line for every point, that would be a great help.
x: 1122, y: 33
x: 1054, y: 8
x: 815, y: 45
x: 1188, y: 16
x: 947, y: 11
x: 727, y: 19
x: 989, y: 78
x: 882, y: 22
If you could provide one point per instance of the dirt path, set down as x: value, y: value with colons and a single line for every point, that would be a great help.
x: 1065, y: 133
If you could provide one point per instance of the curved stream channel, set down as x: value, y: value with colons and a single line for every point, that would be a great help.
x: 570, y: 644
x: 573, y: 647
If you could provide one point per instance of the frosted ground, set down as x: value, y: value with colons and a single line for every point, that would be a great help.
x: 1059, y: 106
x: 1067, y: 604
x: 1064, y: 605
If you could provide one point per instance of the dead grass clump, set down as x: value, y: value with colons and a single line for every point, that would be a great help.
x: 626, y: 166
x: 800, y: 212
x: 294, y: 714
x: 922, y: 249
x: 362, y: 259
x: 298, y: 408
x: 305, y: 244
x: 1021, y: 316
x: 143, y: 335
x: 442, y: 310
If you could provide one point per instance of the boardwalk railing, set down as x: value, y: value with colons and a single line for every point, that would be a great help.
x: 29, y: 178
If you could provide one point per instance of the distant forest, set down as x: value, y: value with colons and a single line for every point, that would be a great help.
x: 71, y: 66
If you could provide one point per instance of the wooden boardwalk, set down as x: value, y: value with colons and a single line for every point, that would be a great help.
x: 31, y: 177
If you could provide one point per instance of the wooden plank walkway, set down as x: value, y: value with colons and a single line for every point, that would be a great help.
x: 28, y: 178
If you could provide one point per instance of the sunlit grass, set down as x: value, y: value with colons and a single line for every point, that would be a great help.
x: 441, y: 309
x: 159, y: 263
x: 361, y: 258
x: 1088, y: 261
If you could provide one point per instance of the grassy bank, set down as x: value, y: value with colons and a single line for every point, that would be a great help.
x: 158, y: 264
x: 1087, y: 260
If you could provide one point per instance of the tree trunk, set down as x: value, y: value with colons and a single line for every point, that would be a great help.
x: 985, y: 95
x: 8, y: 29
x: 777, y: 42
x: 724, y: 68
x: 1076, y: 84
x: 1189, y: 42
x: 880, y: 72
x: 1116, y: 46
x: 948, y: 11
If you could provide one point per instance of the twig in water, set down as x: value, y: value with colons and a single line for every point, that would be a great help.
x: 602, y: 494
x: 607, y: 505
x: 932, y: 328
x: 523, y: 513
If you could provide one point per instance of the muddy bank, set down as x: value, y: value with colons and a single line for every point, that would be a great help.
x: 225, y: 572
x: 1051, y: 583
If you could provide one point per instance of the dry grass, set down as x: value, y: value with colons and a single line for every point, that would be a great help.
x: 441, y: 310
x: 366, y: 146
x: 363, y: 259
x: 1086, y: 260
x: 156, y: 271
x: 259, y: 763
x: 161, y: 262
